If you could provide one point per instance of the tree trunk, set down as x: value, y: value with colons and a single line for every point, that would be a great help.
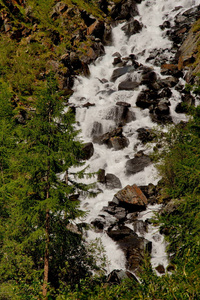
x: 46, y: 256
x: 47, y: 227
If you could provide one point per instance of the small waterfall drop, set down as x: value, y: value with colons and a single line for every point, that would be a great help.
x: 102, y: 116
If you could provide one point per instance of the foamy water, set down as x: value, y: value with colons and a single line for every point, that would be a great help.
x: 151, y: 14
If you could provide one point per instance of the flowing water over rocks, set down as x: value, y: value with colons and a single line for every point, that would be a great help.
x: 134, y: 87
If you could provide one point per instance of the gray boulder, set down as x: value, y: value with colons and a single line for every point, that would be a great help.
x: 137, y: 164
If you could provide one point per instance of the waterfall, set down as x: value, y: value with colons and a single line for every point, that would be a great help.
x: 103, y: 115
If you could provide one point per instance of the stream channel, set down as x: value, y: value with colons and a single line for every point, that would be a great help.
x: 108, y: 101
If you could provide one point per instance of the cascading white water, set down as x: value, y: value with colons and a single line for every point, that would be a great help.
x: 95, y: 90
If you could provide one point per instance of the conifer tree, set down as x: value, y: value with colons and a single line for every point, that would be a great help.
x: 40, y: 206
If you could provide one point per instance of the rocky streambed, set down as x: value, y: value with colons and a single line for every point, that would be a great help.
x: 137, y: 85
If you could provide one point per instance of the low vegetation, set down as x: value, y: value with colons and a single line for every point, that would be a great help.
x: 35, y: 237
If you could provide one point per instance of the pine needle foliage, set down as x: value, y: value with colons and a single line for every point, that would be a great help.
x: 37, y: 243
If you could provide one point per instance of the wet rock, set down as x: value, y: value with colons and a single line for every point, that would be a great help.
x: 112, y: 181
x: 151, y: 192
x: 123, y: 103
x: 161, y: 112
x: 87, y: 151
x: 124, y: 10
x: 165, y: 24
x: 165, y: 93
x: 132, y: 27
x: 120, y: 213
x: 163, y: 107
x: 133, y: 246
x: 128, y: 85
x: 99, y: 224
x: 158, y: 56
x: 96, y: 29
x: 140, y: 226
x: 170, y: 268
x: 145, y: 135
x: 187, y: 101
x: 160, y: 269
x: 101, y: 177
x: 88, y: 104
x: 116, y: 276
x: 119, y: 143
x: 171, y: 69
x: 120, y: 114
x: 148, y: 77
x: 117, y: 61
x: 59, y: 9
x: 121, y: 71
x: 97, y: 129
x: 137, y: 164
x: 131, y: 197
x: 114, y: 139
x: 146, y: 98
x: 183, y: 23
x: 171, y: 207
x: 116, y: 54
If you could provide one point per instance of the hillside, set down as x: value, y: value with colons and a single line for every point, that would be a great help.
x: 44, y: 46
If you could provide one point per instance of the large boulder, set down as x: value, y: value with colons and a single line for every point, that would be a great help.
x: 131, y: 197
x: 146, y: 98
x: 128, y: 85
x: 119, y: 143
x: 114, y: 139
x: 121, y: 71
x: 134, y: 247
x: 137, y: 164
x: 124, y: 10
x: 87, y: 150
x: 120, y: 114
x: 132, y: 27
x: 112, y: 181
x: 160, y: 113
x: 145, y: 134
x: 187, y: 101
x: 96, y: 29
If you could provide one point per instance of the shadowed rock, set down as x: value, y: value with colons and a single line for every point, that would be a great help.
x: 137, y: 164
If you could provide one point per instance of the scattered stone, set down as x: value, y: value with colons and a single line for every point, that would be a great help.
x: 116, y: 276
x: 88, y: 104
x: 146, y: 98
x: 87, y: 151
x: 145, y: 135
x: 101, y: 177
x: 97, y: 129
x: 132, y: 27
x: 99, y: 224
x: 140, y: 226
x: 171, y: 207
x: 160, y: 269
x: 123, y: 103
x: 96, y: 29
x: 112, y: 182
x: 128, y: 85
x: 124, y: 10
x: 119, y: 143
x: 121, y: 71
x: 120, y: 114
